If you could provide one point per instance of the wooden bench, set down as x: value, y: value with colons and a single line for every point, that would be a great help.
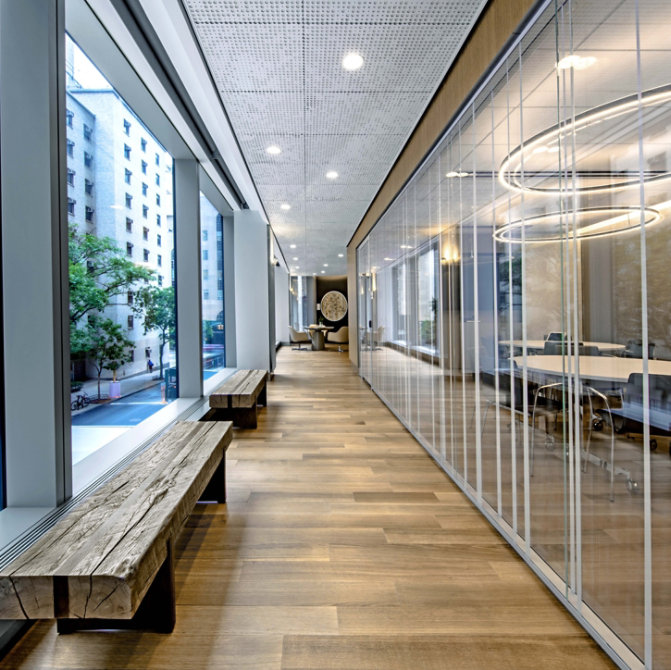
x: 109, y: 562
x: 237, y: 397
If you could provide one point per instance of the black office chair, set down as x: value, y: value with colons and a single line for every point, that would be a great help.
x: 634, y: 349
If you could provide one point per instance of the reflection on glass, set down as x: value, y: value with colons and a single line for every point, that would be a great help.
x: 121, y: 249
x: 212, y: 287
x: 514, y: 308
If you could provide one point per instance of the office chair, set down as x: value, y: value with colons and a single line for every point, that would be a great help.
x: 298, y: 337
x: 340, y: 337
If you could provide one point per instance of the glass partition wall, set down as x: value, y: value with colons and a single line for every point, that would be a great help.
x: 514, y: 313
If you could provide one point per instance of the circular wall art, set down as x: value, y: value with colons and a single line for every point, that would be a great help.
x: 334, y: 306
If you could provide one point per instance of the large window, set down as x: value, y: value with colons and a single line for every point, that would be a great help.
x: 521, y: 277
x: 122, y: 312
x: 212, y: 282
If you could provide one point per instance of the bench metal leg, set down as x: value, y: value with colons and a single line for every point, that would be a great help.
x: 216, y: 487
x: 156, y: 611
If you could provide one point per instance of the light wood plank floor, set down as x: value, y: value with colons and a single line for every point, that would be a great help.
x: 342, y: 545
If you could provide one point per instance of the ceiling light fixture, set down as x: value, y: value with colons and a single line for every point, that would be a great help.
x: 295, y: 258
x: 341, y: 255
x: 285, y: 206
x: 452, y: 174
x: 326, y: 265
x: 273, y: 150
x: 406, y: 246
x: 511, y: 173
x: 386, y: 258
x: 554, y: 226
x: 331, y: 174
x: 323, y: 272
x: 576, y: 62
x: 352, y: 61
x: 292, y: 246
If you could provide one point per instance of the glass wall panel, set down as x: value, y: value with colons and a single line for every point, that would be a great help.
x: 518, y: 279
x: 212, y: 287
x: 121, y: 262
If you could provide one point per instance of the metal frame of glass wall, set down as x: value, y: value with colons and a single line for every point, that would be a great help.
x: 512, y: 311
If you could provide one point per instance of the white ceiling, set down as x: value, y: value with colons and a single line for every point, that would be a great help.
x: 277, y: 66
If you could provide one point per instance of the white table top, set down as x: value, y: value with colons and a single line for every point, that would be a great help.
x: 596, y: 368
x: 314, y: 326
x: 540, y: 344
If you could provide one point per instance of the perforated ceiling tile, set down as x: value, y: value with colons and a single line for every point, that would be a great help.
x: 386, y: 50
x: 244, y: 11
x: 277, y: 66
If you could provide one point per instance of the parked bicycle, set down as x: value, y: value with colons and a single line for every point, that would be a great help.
x: 82, y: 400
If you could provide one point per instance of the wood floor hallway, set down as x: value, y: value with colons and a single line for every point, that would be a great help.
x: 342, y: 545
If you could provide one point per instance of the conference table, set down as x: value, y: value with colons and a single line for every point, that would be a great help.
x: 533, y: 346
x: 592, y: 368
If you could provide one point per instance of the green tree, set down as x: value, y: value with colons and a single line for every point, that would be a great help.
x: 104, y: 342
x: 99, y: 273
x: 157, y: 307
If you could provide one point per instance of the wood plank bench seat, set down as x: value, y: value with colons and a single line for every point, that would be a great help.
x: 108, y: 563
x: 237, y: 397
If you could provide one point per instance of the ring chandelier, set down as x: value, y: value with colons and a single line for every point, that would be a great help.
x: 510, y: 172
x: 618, y: 220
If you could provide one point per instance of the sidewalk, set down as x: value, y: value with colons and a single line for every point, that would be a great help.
x: 129, y: 385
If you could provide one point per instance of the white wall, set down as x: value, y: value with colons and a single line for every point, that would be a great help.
x: 281, y: 305
x: 252, y: 291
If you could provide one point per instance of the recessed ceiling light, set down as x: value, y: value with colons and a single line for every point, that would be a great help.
x: 326, y: 265
x: 295, y: 258
x: 323, y: 272
x: 406, y: 246
x: 576, y: 62
x: 452, y: 174
x: 352, y: 61
x: 298, y: 267
x: 292, y: 246
x: 341, y: 255
x: 273, y: 150
x: 331, y: 174
x: 314, y: 273
x: 388, y: 259
x: 285, y: 206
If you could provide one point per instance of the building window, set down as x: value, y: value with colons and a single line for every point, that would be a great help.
x: 88, y: 159
x: 206, y: 274
x: 71, y: 206
x: 71, y: 148
x: 144, y: 167
x: 126, y: 127
x: 71, y: 177
x: 88, y: 131
x: 129, y: 200
x: 157, y: 159
x: 206, y: 294
x: 158, y: 180
x: 129, y: 225
x: 158, y: 220
x: 88, y: 186
x: 129, y: 298
x: 145, y: 211
x: 131, y: 323
x: 205, y: 254
x: 204, y: 235
x: 68, y: 117
x: 89, y: 213
x: 159, y: 260
x: 144, y: 189
x: 158, y: 200
x: 158, y: 240
x: 131, y: 356
x: 145, y: 255
x: 160, y: 279
x: 126, y: 151
x: 129, y: 249
x: 145, y: 233
x: 143, y: 146
x: 220, y: 295
x: 127, y: 175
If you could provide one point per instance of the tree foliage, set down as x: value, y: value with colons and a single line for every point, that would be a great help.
x: 104, y: 342
x: 99, y: 272
x: 157, y: 307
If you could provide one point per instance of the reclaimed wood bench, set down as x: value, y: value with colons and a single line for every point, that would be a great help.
x: 109, y: 562
x: 237, y: 397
